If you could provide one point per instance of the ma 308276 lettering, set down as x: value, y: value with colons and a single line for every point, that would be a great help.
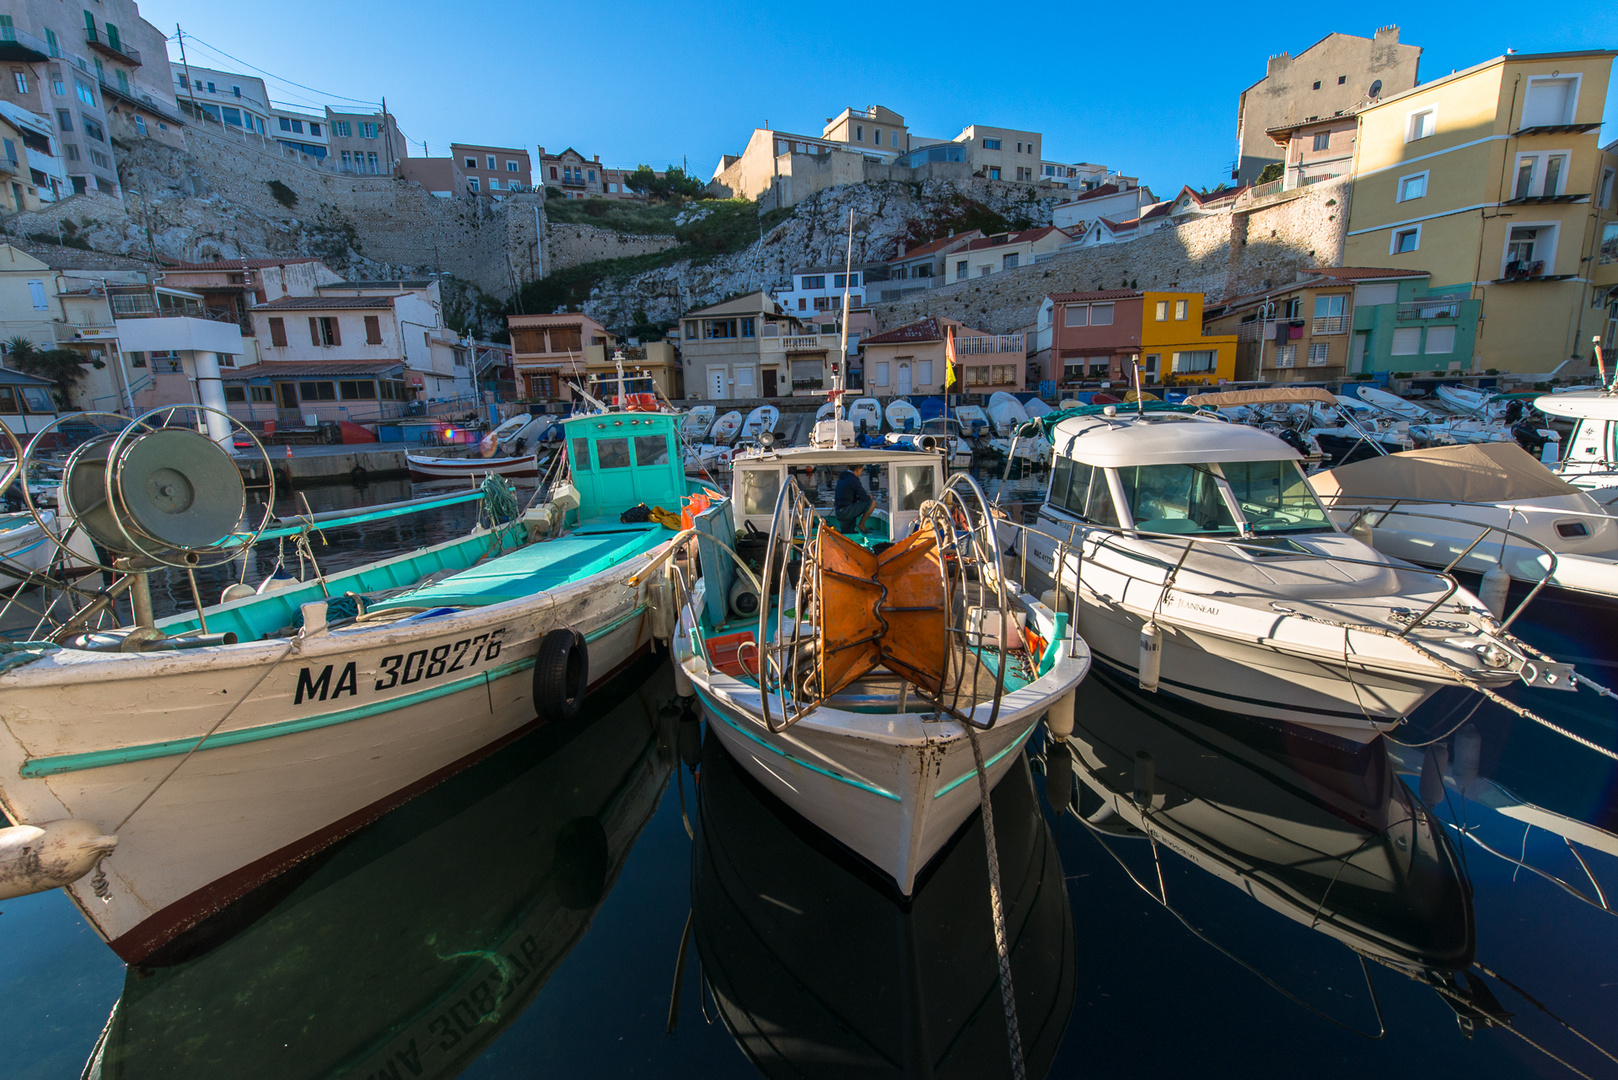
x: 401, y: 669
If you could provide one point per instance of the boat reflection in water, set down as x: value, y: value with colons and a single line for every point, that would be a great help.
x: 1318, y: 829
x: 818, y: 969
x: 410, y: 948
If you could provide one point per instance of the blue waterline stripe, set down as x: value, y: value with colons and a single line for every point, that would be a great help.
x: 987, y: 765
x: 719, y: 711
x: 96, y: 759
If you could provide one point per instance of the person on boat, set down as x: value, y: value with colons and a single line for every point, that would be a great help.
x: 852, y: 504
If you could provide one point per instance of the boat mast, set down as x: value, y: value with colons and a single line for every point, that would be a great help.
x: 842, y: 346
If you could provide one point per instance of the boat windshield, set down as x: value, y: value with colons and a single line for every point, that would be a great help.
x: 1178, y: 498
x: 1274, y: 497
x: 757, y: 490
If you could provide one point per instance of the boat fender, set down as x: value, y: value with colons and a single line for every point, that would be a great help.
x: 1145, y: 778
x: 38, y: 858
x: 690, y: 739
x: 1361, y: 531
x: 1432, y: 774
x: 660, y: 607
x: 238, y: 591
x: 682, y: 680
x: 743, y: 599
x: 1468, y: 754
x: 1493, y: 589
x: 1059, y: 776
x: 561, y: 674
x: 1151, y: 655
x: 279, y: 579
x: 1060, y: 717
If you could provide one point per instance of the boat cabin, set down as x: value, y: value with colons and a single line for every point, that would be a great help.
x: 621, y: 459
x: 1593, y: 446
x: 26, y: 404
x: 1178, y: 473
x: 899, y: 482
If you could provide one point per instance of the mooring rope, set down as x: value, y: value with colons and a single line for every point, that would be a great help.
x: 998, y: 910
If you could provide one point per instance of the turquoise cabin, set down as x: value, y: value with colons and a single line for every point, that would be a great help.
x: 622, y: 459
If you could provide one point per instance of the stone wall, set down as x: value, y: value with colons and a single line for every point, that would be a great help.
x: 1239, y: 251
x: 570, y: 245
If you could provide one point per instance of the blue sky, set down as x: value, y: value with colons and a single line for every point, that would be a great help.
x: 1149, y: 92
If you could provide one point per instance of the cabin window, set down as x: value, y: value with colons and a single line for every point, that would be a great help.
x: 1274, y: 497
x: 1078, y: 489
x: 612, y: 453
x: 1179, y: 498
x: 1061, y: 475
x: 8, y: 400
x: 581, y: 455
x: 912, y: 486
x: 37, y: 399
x: 651, y: 450
x: 760, y: 488
x: 1098, y: 508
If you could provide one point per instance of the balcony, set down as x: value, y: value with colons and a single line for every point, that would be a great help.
x: 1330, y: 324
x: 573, y: 181
x: 116, y: 49
x: 799, y: 343
x: 70, y: 332
x: 987, y: 344
x: 21, y: 46
x: 10, y: 167
x: 1429, y: 309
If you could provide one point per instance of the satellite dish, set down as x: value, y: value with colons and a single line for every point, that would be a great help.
x: 1376, y: 89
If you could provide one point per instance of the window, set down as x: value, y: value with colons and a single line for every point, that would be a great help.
x: 1329, y: 306
x: 1609, y: 244
x: 960, y: 270
x: 1175, y: 498
x: 991, y: 144
x: 101, y: 160
x: 1604, y: 194
x: 1008, y: 261
x: 815, y: 281
x: 652, y: 450
x: 284, y: 122
x: 1412, y: 187
x: 747, y: 327
x: 346, y: 162
x: 1530, y: 250
x: 64, y: 119
x: 1405, y: 240
x: 494, y: 185
x: 21, y: 78
x: 1101, y: 314
x: 261, y: 394
x: 72, y: 152
x: 511, y: 166
x: 1162, y: 310
x: 994, y: 173
x: 341, y: 129
x: 1540, y: 174
x: 317, y: 391
x: 1406, y: 341
x: 1550, y: 101
x: 1341, y: 79
x: 140, y: 124
x: 876, y: 136
x: 373, y: 330
x: 1286, y: 356
x: 1181, y: 309
x: 1440, y: 339
x: 472, y: 183
x: 372, y: 159
x: 357, y: 390
x: 1076, y: 315
x: 1317, y: 86
x: 314, y: 128
x: 211, y: 89
x: 1196, y: 360
x: 36, y: 292
x: 236, y: 395
x: 1421, y: 124
x: 234, y: 117
x: 56, y: 86
x: 1322, y: 140
x: 86, y: 94
x: 592, y: 175
x: 54, y: 46
x: 324, y: 331
x: 278, y: 332
x: 859, y: 132
x: 367, y: 129
x: 93, y: 129
x: 491, y: 162
x: 1318, y: 353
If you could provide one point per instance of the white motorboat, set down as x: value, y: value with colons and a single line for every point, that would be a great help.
x: 974, y: 421
x: 446, y: 467
x: 1006, y: 413
x: 865, y: 414
x: 762, y: 419
x: 882, y: 659
x: 1393, y: 404
x: 902, y: 416
x: 947, y: 432
x: 26, y: 545
x: 694, y: 428
x: 1206, y: 568
x: 1467, y: 401
x: 1591, y: 460
x: 215, y: 748
x: 726, y: 428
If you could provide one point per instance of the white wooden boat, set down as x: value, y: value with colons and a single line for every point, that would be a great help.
x: 902, y: 416
x: 866, y: 415
x: 1006, y: 413
x: 726, y: 428
x: 228, y: 744
x: 871, y: 744
x: 762, y: 419
x: 1204, y: 536
x: 1466, y: 401
x: 694, y: 428
x: 974, y: 422
x: 26, y: 544
x: 432, y: 467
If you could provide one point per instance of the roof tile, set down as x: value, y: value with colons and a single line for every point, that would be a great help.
x: 326, y: 303
x: 919, y: 331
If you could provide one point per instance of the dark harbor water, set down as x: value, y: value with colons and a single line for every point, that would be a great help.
x: 1242, y: 900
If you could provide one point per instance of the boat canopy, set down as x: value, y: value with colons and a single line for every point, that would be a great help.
x: 1581, y: 406
x: 1115, y: 442
x: 1469, y: 473
x: 1272, y: 395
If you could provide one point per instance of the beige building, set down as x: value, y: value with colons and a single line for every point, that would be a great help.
x: 493, y: 169
x: 989, y: 255
x: 909, y: 359
x: 1335, y: 74
x: 656, y: 360
x: 1316, y: 150
x: 997, y: 153
x: 750, y: 347
x: 875, y: 130
x: 548, y: 352
x: 18, y: 191
x: 578, y: 177
x: 366, y: 143
x: 1492, y: 179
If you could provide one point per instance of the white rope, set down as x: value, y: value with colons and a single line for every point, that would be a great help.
x: 998, y: 910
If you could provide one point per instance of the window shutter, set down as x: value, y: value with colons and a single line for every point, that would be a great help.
x: 336, y: 331
x: 373, y: 330
x: 314, y: 330
x: 278, y: 332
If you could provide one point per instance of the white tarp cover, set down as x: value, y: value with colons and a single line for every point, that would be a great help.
x: 1275, y: 395
x: 1471, y: 473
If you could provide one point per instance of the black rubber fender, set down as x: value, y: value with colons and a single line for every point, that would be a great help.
x: 561, y: 675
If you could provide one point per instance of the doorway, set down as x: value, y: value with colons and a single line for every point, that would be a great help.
x: 904, y: 378
x: 769, y: 382
x: 716, y: 384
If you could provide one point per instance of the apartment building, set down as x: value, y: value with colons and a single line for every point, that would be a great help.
x: 750, y: 347
x: 18, y: 192
x: 231, y: 289
x: 1082, y: 175
x: 34, y: 157
x: 997, y: 153
x: 1492, y: 179
x: 995, y: 254
x: 493, y: 170
x: 229, y: 99
x: 874, y: 130
x: 1099, y: 336
x: 578, y: 177
x: 1337, y: 73
x: 1316, y: 149
x: 548, y: 352
x: 925, y: 265
x: 93, y: 74
x: 655, y: 360
x: 369, y: 144
x: 909, y: 359
x: 814, y: 292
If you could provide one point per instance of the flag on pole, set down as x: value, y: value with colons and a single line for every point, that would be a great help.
x: 949, y: 357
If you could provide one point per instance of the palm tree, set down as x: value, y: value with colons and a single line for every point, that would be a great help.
x: 19, y: 350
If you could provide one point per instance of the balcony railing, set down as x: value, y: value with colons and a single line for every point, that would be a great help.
x: 989, y: 343
x: 1446, y: 309
x: 65, y: 332
x: 804, y: 343
x: 133, y: 304
x: 1330, y: 324
x: 20, y: 45
x: 573, y: 181
x: 99, y: 42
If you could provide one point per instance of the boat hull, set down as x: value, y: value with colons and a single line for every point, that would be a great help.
x: 446, y: 468
x: 329, y: 734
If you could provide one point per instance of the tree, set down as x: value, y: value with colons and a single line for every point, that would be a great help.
x: 64, y: 368
x: 1273, y: 171
x: 673, y: 184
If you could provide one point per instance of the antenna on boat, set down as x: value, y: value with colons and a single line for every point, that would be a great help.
x: 1140, y: 402
x: 842, y: 346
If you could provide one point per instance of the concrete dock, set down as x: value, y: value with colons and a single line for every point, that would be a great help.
x: 307, y: 466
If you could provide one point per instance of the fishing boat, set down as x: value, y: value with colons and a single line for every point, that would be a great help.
x: 902, y: 416
x: 460, y: 905
x: 1204, y: 567
x: 762, y: 419
x: 726, y: 428
x: 32, y: 545
x: 865, y: 414
x: 857, y: 676
x: 1591, y: 459
x: 815, y: 970
x: 946, y: 431
x: 1006, y: 413
x: 431, y: 467
x: 1467, y: 401
x: 694, y: 428
x: 974, y: 422
x: 218, y: 747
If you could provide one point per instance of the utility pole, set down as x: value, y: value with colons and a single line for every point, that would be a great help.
x: 190, y: 86
x: 387, y: 135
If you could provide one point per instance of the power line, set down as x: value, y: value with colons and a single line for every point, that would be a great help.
x: 271, y: 74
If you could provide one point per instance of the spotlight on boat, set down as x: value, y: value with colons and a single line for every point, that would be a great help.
x: 766, y: 439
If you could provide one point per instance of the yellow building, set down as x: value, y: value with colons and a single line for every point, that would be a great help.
x: 1171, y: 328
x: 1491, y: 179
